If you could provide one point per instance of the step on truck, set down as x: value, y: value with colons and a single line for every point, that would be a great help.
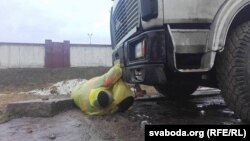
x: 178, y: 45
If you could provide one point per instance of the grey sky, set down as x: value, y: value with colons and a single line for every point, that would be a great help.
x: 36, y: 20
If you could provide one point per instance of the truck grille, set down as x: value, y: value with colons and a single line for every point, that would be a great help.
x: 124, y: 18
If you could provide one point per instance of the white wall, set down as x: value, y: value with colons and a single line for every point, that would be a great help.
x: 21, y: 56
x: 18, y: 55
x: 90, y: 56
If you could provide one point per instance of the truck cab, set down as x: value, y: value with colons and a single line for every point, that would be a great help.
x: 178, y: 45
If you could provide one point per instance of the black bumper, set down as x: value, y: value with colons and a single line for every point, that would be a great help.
x: 149, y: 70
x: 150, y: 74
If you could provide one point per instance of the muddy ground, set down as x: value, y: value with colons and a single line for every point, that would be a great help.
x: 205, y: 107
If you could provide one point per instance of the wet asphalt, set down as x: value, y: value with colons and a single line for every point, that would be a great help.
x: 204, y: 107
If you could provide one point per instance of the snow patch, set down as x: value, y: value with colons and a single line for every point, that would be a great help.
x: 59, y: 88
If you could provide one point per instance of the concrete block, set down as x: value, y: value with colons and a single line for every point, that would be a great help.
x: 39, y: 108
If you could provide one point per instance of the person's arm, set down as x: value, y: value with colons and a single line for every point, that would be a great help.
x: 112, y: 76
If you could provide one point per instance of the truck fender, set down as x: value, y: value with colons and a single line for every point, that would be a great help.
x: 222, y: 22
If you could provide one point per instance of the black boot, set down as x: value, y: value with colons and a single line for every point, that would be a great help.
x: 125, y: 104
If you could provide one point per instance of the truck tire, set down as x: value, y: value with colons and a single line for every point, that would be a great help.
x: 177, y: 90
x: 233, y: 71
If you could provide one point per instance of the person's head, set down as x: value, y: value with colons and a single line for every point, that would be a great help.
x: 100, y: 97
x: 103, y: 99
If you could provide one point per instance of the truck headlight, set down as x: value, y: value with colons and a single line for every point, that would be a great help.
x: 140, y: 50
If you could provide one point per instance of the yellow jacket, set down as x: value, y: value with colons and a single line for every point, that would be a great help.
x: 85, y: 94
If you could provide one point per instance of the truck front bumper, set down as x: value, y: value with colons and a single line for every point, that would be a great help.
x: 148, y: 74
x: 150, y: 67
x: 148, y: 58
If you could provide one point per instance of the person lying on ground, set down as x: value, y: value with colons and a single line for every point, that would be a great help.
x: 104, y: 94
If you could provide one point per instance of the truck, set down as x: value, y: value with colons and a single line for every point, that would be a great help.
x: 178, y: 45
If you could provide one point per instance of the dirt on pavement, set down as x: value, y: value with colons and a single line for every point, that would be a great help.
x: 206, y: 106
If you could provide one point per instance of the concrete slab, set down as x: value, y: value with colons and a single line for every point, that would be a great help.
x: 39, y: 108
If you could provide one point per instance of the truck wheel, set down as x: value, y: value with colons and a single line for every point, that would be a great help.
x: 177, y: 90
x: 233, y: 71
